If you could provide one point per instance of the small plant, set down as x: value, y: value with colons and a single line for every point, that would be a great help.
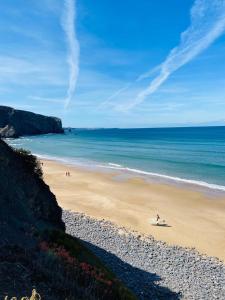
x: 82, y: 267
x: 86, y: 274
x: 31, y: 161
x: 34, y: 296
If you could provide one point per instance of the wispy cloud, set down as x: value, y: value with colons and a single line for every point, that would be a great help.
x: 21, y: 71
x: 149, y: 73
x: 207, y: 24
x: 68, y: 22
x: 114, y: 95
x: 46, y: 99
x: 122, y: 90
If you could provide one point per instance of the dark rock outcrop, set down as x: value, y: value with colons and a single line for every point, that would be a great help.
x: 35, y: 252
x: 26, y: 202
x: 15, y: 123
x: 27, y: 208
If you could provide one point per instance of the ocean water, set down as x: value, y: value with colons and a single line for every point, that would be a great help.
x: 194, y: 155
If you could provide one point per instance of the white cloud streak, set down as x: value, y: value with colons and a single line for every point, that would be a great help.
x: 207, y: 24
x: 68, y: 24
x: 149, y: 73
x: 20, y: 71
x: 114, y: 95
x: 46, y: 99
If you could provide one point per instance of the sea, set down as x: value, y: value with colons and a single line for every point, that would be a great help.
x: 186, y: 155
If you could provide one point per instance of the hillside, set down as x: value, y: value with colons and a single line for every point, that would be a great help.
x: 15, y: 123
x: 35, y: 251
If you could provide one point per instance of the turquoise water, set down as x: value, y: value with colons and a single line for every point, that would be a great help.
x: 194, y: 155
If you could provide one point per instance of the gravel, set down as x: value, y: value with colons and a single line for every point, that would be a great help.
x: 150, y: 268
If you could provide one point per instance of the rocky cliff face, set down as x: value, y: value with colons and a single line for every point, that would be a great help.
x: 35, y: 251
x: 28, y: 208
x: 15, y: 123
x: 26, y: 202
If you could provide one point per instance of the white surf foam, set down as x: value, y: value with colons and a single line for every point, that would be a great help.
x: 172, y: 178
x: 114, y: 166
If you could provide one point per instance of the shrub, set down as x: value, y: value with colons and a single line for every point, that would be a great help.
x: 82, y: 267
x: 30, y: 161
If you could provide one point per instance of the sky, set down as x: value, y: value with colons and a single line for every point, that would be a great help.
x: 146, y: 63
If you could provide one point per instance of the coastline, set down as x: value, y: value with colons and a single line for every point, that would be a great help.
x: 194, y: 184
x: 194, y: 218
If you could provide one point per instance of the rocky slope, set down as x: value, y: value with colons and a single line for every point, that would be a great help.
x: 35, y: 251
x: 15, y: 123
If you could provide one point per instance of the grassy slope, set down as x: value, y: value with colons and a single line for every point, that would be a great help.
x: 57, y: 265
x: 89, y: 268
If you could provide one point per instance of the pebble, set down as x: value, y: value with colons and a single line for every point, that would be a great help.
x: 150, y: 268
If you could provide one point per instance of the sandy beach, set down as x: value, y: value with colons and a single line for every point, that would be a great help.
x: 194, y: 219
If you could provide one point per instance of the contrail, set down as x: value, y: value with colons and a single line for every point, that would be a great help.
x: 68, y: 24
x: 126, y: 87
x: 116, y: 93
x: 149, y: 73
x: 207, y: 24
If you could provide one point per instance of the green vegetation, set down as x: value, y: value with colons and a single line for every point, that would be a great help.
x: 89, y: 271
x: 30, y: 161
x: 55, y: 264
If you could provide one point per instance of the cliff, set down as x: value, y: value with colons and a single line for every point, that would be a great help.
x: 15, y: 123
x: 26, y: 201
x: 35, y: 251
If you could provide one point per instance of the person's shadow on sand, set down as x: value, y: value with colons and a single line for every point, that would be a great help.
x: 142, y: 283
x: 162, y: 225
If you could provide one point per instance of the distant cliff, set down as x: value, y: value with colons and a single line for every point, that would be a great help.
x: 15, y: 123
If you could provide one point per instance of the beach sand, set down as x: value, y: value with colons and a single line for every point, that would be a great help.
x: 195, y: 219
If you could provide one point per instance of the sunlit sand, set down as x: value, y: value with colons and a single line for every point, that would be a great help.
x: 193, y: 218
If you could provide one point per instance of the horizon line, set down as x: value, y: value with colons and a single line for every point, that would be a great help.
x: 157, y: 127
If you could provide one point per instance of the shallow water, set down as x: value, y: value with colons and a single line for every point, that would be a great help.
x: 187, y: 155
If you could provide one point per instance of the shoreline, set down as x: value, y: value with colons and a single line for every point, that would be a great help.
x: 194, y: 219
x: 193, y: 184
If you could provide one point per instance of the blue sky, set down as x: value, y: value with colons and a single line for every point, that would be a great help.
x: 115, y: 63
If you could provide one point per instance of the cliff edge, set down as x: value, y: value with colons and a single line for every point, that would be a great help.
x: 36, y: 255
x: 15, y: 123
